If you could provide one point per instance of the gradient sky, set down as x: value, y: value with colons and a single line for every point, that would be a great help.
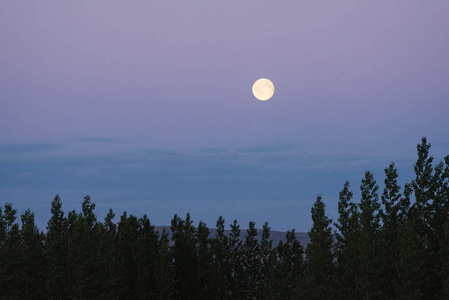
x: 147, y: 105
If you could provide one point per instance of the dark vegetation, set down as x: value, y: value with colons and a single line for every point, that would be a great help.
x: 392, y: 247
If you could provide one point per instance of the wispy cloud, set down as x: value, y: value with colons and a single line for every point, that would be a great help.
x: 23, y: 149
x: 273, y: 148
x: 98, y: 140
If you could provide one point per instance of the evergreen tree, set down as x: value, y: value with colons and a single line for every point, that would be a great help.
x: 33, y: 259
x: 444, y: 252
x: 287, y: 269
x: 429, y: 217
x: 10, y: 255
x: 238, y: 279
x: 185, y: 258
x: 57, y: 254
x: 85, y: 250
x: 390, y: 233
x: 252, y: 263
x: 411, y: 260
x: 266, y: 251
x: 320, y: 278
x: 108, y: 257
x: 146, y: 259
x: 222, y: 272
x: 164, y: 269
x: 346, y: 247
x: 72, y: 259
x: 127, y: 265
x: 204, y: 262
x: 370, y: 258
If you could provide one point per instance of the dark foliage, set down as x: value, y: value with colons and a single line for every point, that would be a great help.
x: 395, y: 247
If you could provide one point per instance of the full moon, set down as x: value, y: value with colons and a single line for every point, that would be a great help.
x: 263, y: 89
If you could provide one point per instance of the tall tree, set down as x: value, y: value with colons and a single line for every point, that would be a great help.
x: 346, y: 247
x: 252, y: 263
x: 85, y: 247
x: 390, y: 234
x: 412, y: 260
x: 369, y: 247
x: 204, y: 262
x: 127, y: 265
x: 238, y: 279
x: 221, y: 277
x: 147, y: 255
x: 33, y: 259
x: 287, y: 269
x: 164, y: 269
x: 429, y: 216
x: 320, y: 277
x: 108, y: 256
x: 444, y: 252
x: 10, y: 255
x: 266, y: 251
x: 185, y: 258
x: 56, y: 250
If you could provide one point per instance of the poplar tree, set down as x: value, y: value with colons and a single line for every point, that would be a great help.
x: 146, y: 259
x: 57, y: 254
x: 33, y: 259
x: 412, y: 256
x: 287, y: 269
x: 390, y: 234
x: 222, y: 271
x: 204, y: 262
x: 238, y: 279
x: 369, y: 271
x: 320, y: 277
x: 428, y: 217
x: 266, y: 248
x: 444, y: 252
x: 85, y: 252
x: 108, y: 256
x: 164, y: 269
x: 252, y: 263
x: 346, y: 247
x: 10, y: 255
x: 184, y: 258
x: 127, y: 264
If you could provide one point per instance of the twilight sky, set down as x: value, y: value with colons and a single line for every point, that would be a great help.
x: 147, y: 105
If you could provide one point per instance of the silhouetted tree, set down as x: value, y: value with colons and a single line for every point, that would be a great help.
x: 146, y: 262
x: 10, y: 255
x: 370, y: 259
x: 266, y: 249
x: 287, y: 269
x: 204, y: 262
x: 108, y: 257
x: 252, y: 263
x: 127, y: 261
x: 222, y: 271
x: 346, y: 250
x: 57, y: 254
x: 185, y: 258
x: 428, y: 217
x: 390, y: 234
x: 320, y: 276
x: 33, y: 261
x: 238, y: 278
x: 164, y: 269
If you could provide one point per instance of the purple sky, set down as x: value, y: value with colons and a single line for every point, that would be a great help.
x: 147, y: 105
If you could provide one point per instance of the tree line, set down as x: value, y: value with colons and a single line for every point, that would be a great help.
x: 389, y: 246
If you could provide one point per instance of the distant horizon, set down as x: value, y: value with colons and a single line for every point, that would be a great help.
x: 147, y: 106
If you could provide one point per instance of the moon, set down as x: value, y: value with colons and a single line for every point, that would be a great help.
x: 263, y: 89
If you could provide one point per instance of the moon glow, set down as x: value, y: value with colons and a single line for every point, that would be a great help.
x: 263, y: 89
